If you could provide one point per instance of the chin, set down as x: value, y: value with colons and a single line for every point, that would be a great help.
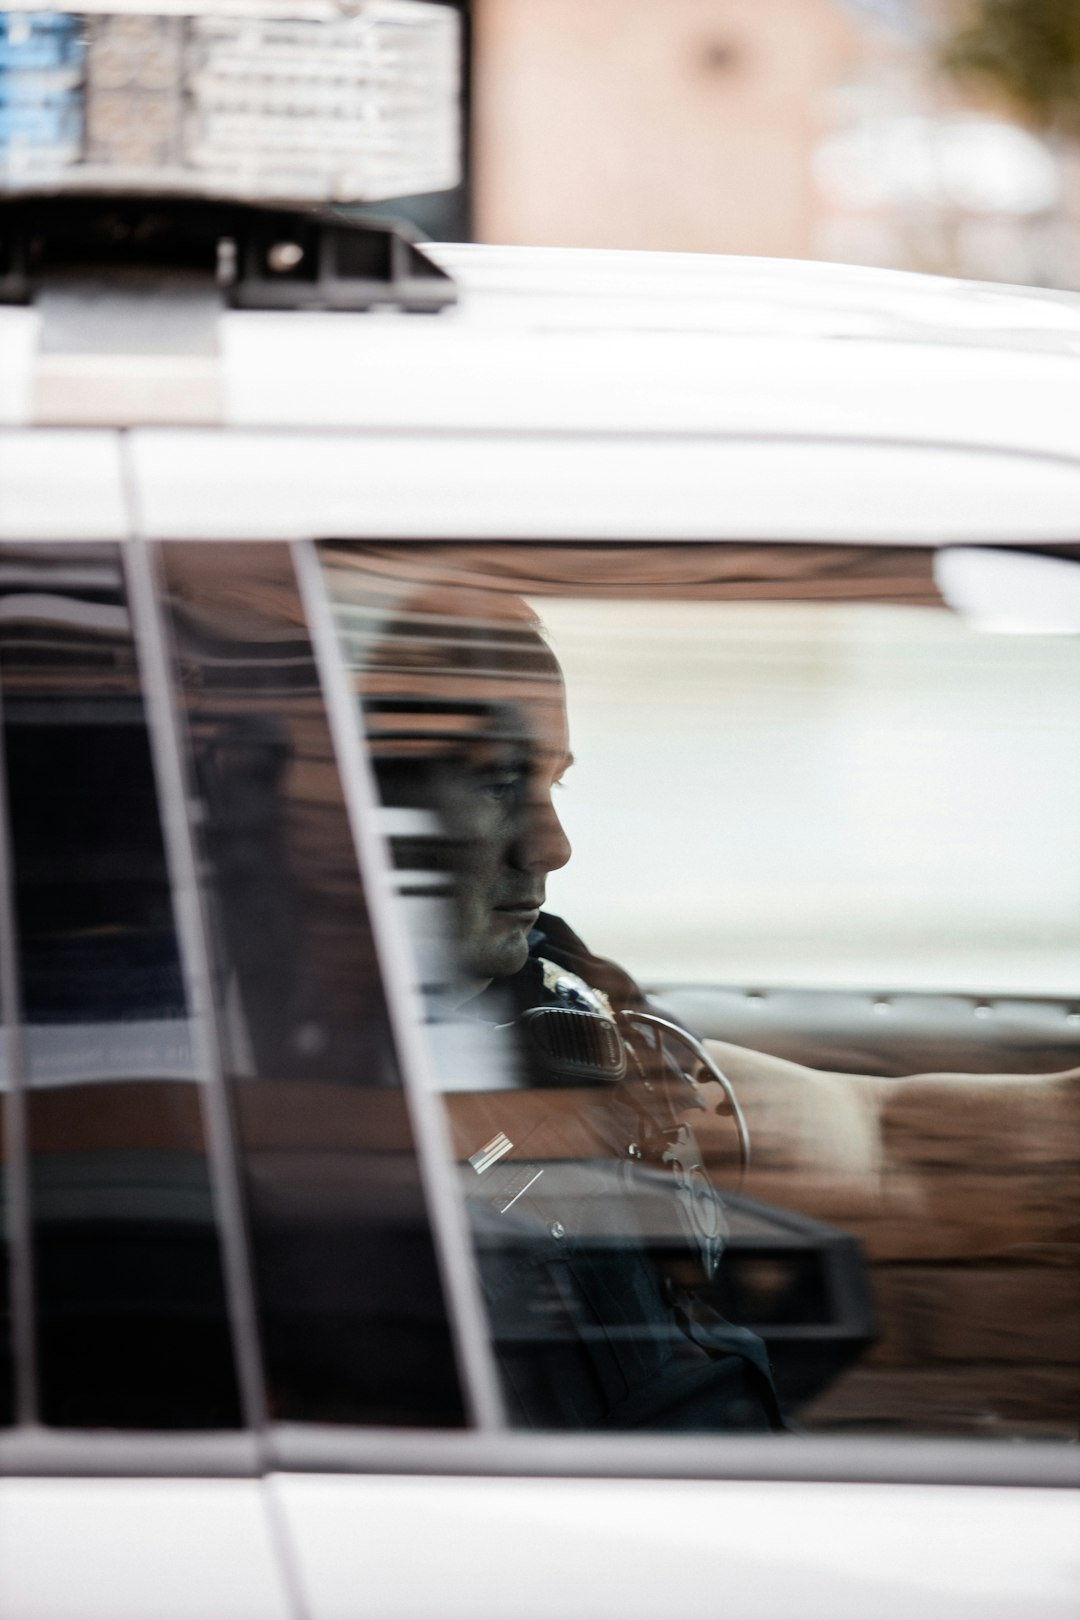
x: 499, y: 959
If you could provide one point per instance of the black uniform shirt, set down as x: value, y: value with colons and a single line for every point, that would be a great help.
x: 588, y: 1275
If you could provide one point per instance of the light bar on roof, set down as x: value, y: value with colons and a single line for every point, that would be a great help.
x: 275, y: 102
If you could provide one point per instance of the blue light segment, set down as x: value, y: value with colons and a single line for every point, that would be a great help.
x: 39, y: 39
x: 42, y: 57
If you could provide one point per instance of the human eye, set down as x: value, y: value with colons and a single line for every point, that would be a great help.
x: 500, y: 787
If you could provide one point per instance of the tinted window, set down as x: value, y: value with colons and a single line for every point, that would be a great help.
x: 812, y: 827
x: 7, y: 1362
x: 351, y: 1307
x: 130, y: 1317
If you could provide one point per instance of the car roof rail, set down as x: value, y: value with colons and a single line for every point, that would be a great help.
x: 271, y: 258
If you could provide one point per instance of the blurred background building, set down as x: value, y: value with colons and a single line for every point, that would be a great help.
x: 939, y: 135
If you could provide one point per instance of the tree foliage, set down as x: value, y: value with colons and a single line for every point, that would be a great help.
x: 1027, y: 50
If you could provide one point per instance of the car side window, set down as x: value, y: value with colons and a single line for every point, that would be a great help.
x: 350, y: 1303
x: 7, y: 1357
x: 129, y: 1324
x: 764, y: 1107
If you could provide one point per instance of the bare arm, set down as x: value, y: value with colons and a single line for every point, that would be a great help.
x: 831, y: 1141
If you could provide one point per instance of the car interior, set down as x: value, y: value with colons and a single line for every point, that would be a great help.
x: 871, y: 1138
x: 905, y: 1237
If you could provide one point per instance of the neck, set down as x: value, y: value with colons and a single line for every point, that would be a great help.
x: 458, y: 992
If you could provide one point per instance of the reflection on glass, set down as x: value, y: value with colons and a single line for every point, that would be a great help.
x: 131, y: 1325
x: 595, y: 1221
x: 900, y: 1253
x: 351, y: 1308
x: 7, y: 1335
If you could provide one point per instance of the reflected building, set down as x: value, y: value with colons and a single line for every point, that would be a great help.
x: 799, y: 129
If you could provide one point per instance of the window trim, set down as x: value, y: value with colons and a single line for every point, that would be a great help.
x: 298, y: 1449
x: 33, y: 1453
x: 476, y: 1363
x: 870, y: 1459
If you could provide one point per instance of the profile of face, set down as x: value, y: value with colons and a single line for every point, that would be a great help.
x: 467, y: 714
x: 498, y: 802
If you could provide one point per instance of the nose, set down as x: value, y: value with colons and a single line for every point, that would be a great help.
x: 541, y: 845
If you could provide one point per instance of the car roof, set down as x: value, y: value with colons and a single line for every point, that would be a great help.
x: 566, y: 340
x: 710, y: 292
x: 596, y: 392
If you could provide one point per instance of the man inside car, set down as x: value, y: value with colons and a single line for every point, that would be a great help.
x: 579, y: 1185
x: 488, y: 753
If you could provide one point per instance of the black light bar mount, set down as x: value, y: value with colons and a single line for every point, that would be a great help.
x: 261, y: 258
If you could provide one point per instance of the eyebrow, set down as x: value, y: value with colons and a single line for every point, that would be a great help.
x: 524, y: 760
x: 561, y: 762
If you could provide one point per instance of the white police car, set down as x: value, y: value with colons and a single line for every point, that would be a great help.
x: 259, y: 1353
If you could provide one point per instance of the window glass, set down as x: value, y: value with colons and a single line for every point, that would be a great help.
x: 765, y: 1107
x: 130, y: 1316
x: 351, y: 1308
x: 7, y: 1335
x: 896, y: 762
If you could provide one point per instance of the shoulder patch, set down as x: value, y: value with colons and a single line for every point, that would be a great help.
x: 570, y: 989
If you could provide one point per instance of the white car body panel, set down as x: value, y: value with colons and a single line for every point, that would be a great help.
x: 580, y: 394
x: 278, y: 485
x: 139, y: 1549
x: 483, y: 1549
x: 209, y: 484
x: 453, y: 374
x: 19, y: 334
x: 65, y: 484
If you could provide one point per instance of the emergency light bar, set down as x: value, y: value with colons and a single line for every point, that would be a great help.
x: 285, y: 102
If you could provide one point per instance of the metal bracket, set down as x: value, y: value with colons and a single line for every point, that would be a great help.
x: 261, y: 258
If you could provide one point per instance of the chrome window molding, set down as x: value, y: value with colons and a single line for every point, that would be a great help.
x: 476, y: 1363
x: 318, y: 1449
x: 295, y: 1448
x: 83, y: 1454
